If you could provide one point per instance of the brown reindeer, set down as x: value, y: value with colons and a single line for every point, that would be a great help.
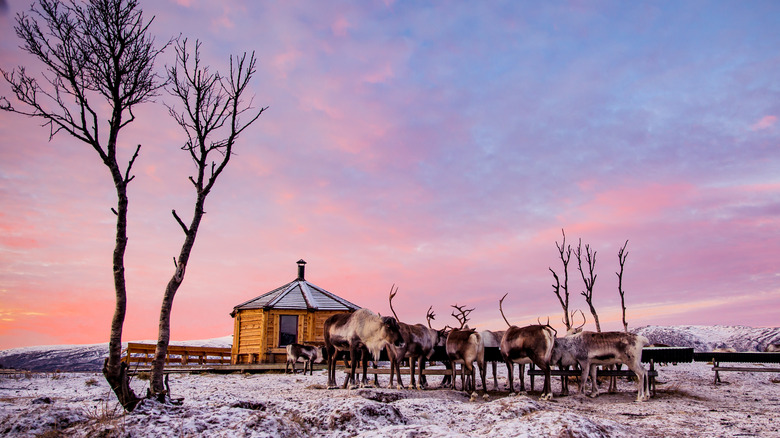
x: 534, y: 343
x: 520, y: 361
x: 492, y: 339
x: 419, y: 343
x: 354, y: 332
x: 308, y: 354
x: 465, y: 347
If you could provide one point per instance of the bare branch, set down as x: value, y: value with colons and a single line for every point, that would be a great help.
x: 181, y: 223
x: 590, y: 280
x: 622, y: 256
x: 129, y: 178
x: 564, y: 253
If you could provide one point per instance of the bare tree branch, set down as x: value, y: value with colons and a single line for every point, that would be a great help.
x: 590, y: 280
x: 98, y: 63
x: 209, y: 116
x: 622, y: 256
x: 564, y: 253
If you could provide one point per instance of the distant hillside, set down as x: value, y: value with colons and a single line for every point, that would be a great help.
x: 78, y: 357
x: 90, y: 357
x: 707, y: 338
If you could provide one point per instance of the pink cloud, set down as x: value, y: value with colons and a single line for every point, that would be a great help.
x: 379, y: 76
x: 766, y: 122
x: 340, y: 27
x: 285, y: 62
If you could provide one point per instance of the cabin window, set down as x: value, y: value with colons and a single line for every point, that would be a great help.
x: 288, y: 329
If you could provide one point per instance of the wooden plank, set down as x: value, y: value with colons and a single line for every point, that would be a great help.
x: 747, y: 369
x: 599, y: 373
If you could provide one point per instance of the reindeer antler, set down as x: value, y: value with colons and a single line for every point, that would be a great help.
x: 392, y: 295
x: 501, y: 308
x: 463, y: 316
x: 547, y: 324
x: 584, y: 320
x: 430, y: 316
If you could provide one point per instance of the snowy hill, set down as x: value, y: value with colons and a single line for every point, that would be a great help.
x: 707, y: 338
x: 90, y: 357
x: 78, y: 357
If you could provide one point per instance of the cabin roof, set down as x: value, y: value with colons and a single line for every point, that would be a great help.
x: 298, y: 295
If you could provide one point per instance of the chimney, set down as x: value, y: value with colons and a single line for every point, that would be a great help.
x: 301, y: 269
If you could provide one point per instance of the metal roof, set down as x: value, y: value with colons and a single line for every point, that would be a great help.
x: 297, y: 295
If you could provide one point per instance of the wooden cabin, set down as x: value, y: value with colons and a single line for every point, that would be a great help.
x: 292, y: 313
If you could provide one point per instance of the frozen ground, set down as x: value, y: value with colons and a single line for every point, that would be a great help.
x: 688, y: 404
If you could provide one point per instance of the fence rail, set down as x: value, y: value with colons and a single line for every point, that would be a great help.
x: 141, y: 355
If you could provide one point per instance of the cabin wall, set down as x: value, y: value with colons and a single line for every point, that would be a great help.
x: 256, y: 333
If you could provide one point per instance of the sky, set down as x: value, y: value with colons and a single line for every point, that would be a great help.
x: 441, y: 147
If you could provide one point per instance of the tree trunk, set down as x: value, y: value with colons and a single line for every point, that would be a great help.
x: 595, y: 315
x: 114, y: 370
x: 157, y: 385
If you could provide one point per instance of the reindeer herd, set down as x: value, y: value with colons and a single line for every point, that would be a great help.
x: 363, y: 334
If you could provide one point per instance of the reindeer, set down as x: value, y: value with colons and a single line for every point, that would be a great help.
x: 521, y: 361
x: 308, y: 354
x: 559, y: 351
x: 589, y: 349
x: 534, y: 343
x: 419, y: 343
x: 493, y: 339
x: 464, y: 346
x: 353, y: 332
x: 772, y: 348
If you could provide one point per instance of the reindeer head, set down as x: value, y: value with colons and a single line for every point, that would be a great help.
x: 574, y: 330
x: 392, y: 331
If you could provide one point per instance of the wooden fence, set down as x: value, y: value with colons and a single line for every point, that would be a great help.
x: 141, y: 355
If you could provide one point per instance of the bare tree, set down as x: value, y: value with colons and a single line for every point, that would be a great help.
x: 590, y: 280
x: 211, y: 119
x: 99, y: 64
x: 622, y: 256
x: 564, y: 252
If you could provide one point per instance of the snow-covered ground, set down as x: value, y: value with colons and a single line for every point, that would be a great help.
x: 688, y: 404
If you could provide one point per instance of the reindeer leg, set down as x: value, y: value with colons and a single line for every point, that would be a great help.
x: 392, y: 372
x: 547, y: 391
x: 594, y: 382
x: 412, y: 363
x: 585, y: 368
x: 364, y: 380
x: 521, y: 366
x: 510, y: 368
x: 398, y: 373
x: 353, y: 358
x: 494, y: 365
x: 564, y: 380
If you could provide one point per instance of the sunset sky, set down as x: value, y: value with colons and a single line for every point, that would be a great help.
x: 438, y: 146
